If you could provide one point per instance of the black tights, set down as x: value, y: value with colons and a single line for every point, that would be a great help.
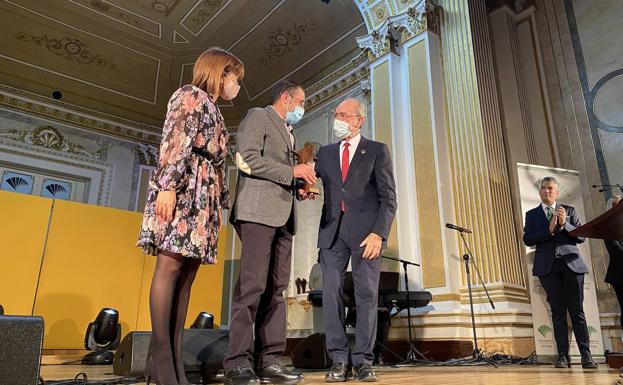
x: 618, y: 290
x: 168, y: 304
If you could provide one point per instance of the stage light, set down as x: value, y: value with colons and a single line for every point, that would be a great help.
x: 203, y: 321
x: 102, y: 337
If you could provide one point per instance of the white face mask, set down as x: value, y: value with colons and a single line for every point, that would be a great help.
x: 340, y: 128
x: 230, y: 90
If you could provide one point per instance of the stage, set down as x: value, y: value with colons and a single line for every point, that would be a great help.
x: 520, y: 375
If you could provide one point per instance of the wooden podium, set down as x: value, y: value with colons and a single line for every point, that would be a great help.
x: 608, y: 225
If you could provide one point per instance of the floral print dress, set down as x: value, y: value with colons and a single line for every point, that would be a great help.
x: 192, y: 162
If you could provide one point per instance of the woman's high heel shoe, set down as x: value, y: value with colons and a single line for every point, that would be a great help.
x: 148, y: 372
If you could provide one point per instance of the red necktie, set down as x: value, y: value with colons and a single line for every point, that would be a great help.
x: 345, y: 164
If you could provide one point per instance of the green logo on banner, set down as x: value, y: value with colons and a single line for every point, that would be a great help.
x: 544, y: 330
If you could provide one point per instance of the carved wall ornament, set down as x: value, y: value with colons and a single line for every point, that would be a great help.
x: 160, y: 6
x: 115, y: 12
x: 69, y: 48
x: 126, y: 17
x: 50, y: 137
x: 355, y: 73
x: 198, y: 18
x: 282, y: 41
x: 396, y: 29
x: 35, y: 105
x: 378, y: 42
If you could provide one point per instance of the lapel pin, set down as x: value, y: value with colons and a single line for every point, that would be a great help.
x: 363, y: 152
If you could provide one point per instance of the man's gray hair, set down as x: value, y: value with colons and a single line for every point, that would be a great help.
x: 360, y: 106
x: 551, y: 179
x: 611, y: 201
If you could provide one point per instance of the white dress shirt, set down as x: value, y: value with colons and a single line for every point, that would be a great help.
x: 289, y: 128
x: 353, y: 143
x: 544, y: 207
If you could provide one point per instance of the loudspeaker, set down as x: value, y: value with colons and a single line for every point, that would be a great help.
x: 130, y: 357
x: 21, y: 341
x: 204, y: 351
x: 311, y: 352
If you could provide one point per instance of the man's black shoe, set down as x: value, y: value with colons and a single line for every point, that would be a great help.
x: 587, y: 361
x: 365, y: 373
x: 241, y: 375
x: 277, y: 374
x: 339, y: 372
x: 378, y: 359
x: 563, y: 361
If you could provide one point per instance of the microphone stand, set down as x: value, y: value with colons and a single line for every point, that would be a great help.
x: 608, y: 187
x: 413, y: 351
x: 478, y: 357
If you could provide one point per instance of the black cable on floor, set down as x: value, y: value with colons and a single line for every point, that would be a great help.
x: 82, y: 379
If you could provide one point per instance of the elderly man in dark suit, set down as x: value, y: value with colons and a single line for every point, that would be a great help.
x: 357, y: 214
x: 560, y: 268
x: 263, y: 215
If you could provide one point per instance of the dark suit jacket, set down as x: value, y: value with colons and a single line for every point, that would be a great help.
x: 369, y: 193
x: 614, y: 276
x: 536, y: 233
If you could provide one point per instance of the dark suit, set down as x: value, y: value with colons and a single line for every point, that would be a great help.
x: 614, y: 275
x: 560, y: 268
x: 369, y: 197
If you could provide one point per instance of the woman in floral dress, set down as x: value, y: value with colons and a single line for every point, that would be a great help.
x: 183, y: 211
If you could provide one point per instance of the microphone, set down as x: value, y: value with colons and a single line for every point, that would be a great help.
x: 458, y: 228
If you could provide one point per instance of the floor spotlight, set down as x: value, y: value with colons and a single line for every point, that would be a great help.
x: 203, y: 321
x: 102, y: 337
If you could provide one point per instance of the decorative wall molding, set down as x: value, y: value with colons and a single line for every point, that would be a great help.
x: 202, y: 14
x: 179, y: 39
x: 376, y: 12
x: 50, y: 137
x: 29, y: 155
x: 422, y: 16
x: 69, y: 48
x: 122, y: 15
x: 282, y: 42
x: 30, y: 104
x: 355, y: 73
x: 160, y: 6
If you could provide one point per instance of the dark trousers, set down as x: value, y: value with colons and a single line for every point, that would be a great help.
x: 257, y: 329
x: 618, y: 290
x: 565, y: 293
x: 366, y: 273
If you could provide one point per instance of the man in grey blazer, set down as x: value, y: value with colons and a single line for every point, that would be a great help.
x: 357, y: 215
x: 263, y: 215
x: 560, y: 268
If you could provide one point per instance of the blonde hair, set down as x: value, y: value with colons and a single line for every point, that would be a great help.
x: 611, y: 201
x: 211, y: 68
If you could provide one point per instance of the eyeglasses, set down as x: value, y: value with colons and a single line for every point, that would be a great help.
x: 343, y: 115
x: 300, y: 102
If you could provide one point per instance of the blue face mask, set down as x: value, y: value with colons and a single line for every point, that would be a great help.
x: 293, y: 117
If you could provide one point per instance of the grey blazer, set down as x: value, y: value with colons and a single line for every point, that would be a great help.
x: 265, y: 161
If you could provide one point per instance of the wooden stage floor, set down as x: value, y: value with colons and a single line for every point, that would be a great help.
x: 520, y: 375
